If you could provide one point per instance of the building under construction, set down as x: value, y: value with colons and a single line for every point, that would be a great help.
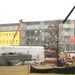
x: 39, y: 33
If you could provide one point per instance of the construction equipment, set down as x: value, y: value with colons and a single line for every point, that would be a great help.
x: 56, y: 33
x: 16, y: 31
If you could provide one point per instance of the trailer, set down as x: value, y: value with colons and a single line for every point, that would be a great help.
x: 22, y: 53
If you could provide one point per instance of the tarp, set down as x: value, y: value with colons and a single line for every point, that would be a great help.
x: 67, y: 70
x: 72, y: 39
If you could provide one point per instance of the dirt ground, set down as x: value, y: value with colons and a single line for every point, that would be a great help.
x: 22, y: 70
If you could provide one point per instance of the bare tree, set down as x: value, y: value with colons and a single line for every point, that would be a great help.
x: 53, y: 38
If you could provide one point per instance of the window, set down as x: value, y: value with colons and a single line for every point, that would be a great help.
x: 28, y: 33
x: 43, y: 40
x: 51, y: 53
x: 35, y: 41
x: 28, y: 41
x: 32, y: 33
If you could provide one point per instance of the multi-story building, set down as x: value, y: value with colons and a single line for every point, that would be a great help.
x: 38, y: 33
x: 67, y: 35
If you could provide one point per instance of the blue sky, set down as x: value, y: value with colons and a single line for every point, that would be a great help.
x: 11, y: 11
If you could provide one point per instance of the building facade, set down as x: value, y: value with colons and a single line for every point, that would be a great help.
x: 39, y: 33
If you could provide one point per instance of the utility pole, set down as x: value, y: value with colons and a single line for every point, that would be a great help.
x: 28, y: 62
x: 57, y: 52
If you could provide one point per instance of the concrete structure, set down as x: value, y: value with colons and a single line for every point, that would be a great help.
x: 38, y: 33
